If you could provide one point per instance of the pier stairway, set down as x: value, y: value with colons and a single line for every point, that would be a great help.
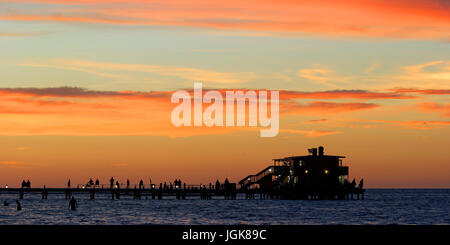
x: 263, y: 175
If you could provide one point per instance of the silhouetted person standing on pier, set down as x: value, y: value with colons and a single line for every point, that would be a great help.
x: 361, y: 184
x: 28, y: 184
x: 226, y: 187
x: 19, y: 207
x: 68, y: 183
x: 352, y: 188
x: 128, y: 187
x: 141, y: 184
x: 97, y: 183
x: 353, y: 184
x: 73, y: 204
x: 217, y: 186
x: 111, y: 181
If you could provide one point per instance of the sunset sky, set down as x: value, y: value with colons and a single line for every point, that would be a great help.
x: 85, y: 87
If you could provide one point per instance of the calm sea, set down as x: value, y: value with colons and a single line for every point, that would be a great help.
x: 381, y: 206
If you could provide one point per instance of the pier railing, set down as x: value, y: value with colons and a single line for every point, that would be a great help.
x: 144, y: 186
x: 269, y: 171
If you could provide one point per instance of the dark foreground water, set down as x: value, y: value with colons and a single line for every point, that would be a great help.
x: 381, y: 206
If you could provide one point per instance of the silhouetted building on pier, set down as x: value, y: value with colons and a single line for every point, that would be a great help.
x: 314, y: 176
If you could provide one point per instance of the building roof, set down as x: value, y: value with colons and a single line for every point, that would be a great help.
x: 305, y: 157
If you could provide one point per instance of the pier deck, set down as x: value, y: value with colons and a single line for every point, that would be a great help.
x: 156, y: 193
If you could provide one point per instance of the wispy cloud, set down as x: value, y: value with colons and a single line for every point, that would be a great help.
x: 374, y: 18
x: 115, y: 70
x: 22, y: 148
x: 19, y: 34
x: 414, y: 124
x: 80, y: 92
x: 344, y: 94
x: 324, y: 76
x: 423, y: 91
x: 310, y: 133
x: 433, y: 74
x: 442, y: 109
x: 8, y: 163
x: 314, y: 121
x: 371, y: 68
x: 320, y: 107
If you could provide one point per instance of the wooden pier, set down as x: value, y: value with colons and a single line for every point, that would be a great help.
x: 156, y: 193
x: 201, y: 192
x: 310, y: 177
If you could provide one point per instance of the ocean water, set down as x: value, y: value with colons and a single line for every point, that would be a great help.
x: 381, y: 206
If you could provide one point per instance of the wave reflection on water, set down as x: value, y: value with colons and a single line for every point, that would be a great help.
x: 381, y: 206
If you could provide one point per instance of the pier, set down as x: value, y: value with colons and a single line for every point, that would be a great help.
x: 182, y: 194
x: 199, y: 191
x: 310, y: 177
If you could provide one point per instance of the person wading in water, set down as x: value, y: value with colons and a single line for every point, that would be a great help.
x: 19, y: 207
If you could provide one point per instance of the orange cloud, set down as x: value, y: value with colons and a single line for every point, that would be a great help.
x: 10, y: 162
x: 443, y: 109
x: 76, y: 92
x: 55, y: 100
x: 75, y: 111
x: 344, y: 94
x: 310, y: 133
x: 413, y: 124
x: 339, y: 94
x: 418, y: 19
x: 78, y: 111
x: 319, y: 107
x: 423, y: 91
x: 316, y: 121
